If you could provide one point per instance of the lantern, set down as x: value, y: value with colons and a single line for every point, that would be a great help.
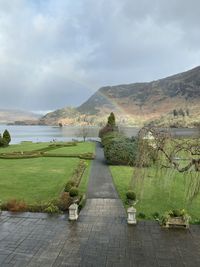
x: 73, y: 212
x: 131, y: 215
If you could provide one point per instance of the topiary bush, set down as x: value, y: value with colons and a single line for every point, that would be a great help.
x: 120, y: 151
x: 74, y: 192
x: 69, y: 185
x: 130, y: 195
x: 141, y: 215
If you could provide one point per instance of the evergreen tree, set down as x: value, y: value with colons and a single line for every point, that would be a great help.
x: 6, y: 137
x: 111, y: 120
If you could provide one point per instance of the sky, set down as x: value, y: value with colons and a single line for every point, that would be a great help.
x: 57, y: 53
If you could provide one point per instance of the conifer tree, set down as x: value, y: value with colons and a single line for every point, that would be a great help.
x: 6, y: 137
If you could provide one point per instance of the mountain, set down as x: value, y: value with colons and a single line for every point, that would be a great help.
x: 143, y: 102
x: 11, y: 116
x: 63, y: 116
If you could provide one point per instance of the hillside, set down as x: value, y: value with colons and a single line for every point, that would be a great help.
x: 143, y: 102
x: 11, y: 115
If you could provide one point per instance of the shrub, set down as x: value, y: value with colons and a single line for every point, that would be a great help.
x: 177, y: 213
x: 37, y: 207
x: 141, y: 215
x: 69, y: 185
x: 109, y: 137
x: 15, y: 205
x: 74, y: 192
x: 52, y: 208
x: 155, y: 215
x: 110, y: 126
x: 105, y: 130
x: 131, y: 195
x: 121, y: 151
x: 64, y: 201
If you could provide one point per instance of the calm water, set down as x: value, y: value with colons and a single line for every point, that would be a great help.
x: 67, y: 133
x: 46, y: 133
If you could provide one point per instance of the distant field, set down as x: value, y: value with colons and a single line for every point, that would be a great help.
x: 157, y: 190
x: 39, y: 179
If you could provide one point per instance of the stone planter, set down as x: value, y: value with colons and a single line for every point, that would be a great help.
x: 73, y: 212
x: 75, y: 200
x: 177, y: 222
x: 131, y: 202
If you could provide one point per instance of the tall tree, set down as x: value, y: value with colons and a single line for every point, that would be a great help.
x: 6, y: 137
x: 111, y: 120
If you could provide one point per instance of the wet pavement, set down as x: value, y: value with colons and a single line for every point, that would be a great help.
x: 100, y: 237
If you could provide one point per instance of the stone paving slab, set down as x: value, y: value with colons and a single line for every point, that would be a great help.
x: 100, y: 182
x: 107, y: 241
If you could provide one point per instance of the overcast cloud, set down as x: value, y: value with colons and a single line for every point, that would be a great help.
x: 57, y: 53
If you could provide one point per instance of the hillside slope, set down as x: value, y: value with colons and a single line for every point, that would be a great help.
x: 142, y: 102
x: 148, y: 99
x: 10, y: 116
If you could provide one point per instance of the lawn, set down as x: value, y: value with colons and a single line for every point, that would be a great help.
x: 39, y: 179
x: 157, y: 189
x: 82, y: 147
x: 24, y: 146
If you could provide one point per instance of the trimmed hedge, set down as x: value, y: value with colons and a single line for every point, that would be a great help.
x: 119, y: 150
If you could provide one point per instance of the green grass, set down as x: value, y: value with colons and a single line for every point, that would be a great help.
x: 39, y: 179
x: 84, y: 147
x: 84, y: 181
x: 157, y: 190
x: 24, y: 146
x: 33, y: 180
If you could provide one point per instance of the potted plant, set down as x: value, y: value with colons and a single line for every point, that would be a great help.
x: 131, y: 197
x: 175, y: 218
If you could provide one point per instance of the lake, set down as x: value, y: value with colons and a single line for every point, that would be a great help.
x: 67, y: 133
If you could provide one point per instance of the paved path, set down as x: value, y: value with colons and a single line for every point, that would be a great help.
x: 100, y: 183
x: 100, y: 237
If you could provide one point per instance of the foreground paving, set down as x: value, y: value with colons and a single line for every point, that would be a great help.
x: 97, y: 239
x: 100, y: 237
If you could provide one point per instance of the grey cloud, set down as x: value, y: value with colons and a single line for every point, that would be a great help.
x: 57, y: 53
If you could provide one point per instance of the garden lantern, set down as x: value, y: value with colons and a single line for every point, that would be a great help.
x: 131, y: 215
x: 73, y: 212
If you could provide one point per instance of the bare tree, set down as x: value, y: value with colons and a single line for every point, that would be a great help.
x: 172, y: 149
x: 83, y: 132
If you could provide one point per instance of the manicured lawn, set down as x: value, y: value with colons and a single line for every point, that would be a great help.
x: 24, y: 146
x: 157, y: 190
x: 84, y: 147
x: 29, y: 146
x: 39, y: 179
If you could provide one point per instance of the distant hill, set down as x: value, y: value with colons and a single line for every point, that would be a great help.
x: 64, y: 116
x: 11, y: 115
x: 143, y: 102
